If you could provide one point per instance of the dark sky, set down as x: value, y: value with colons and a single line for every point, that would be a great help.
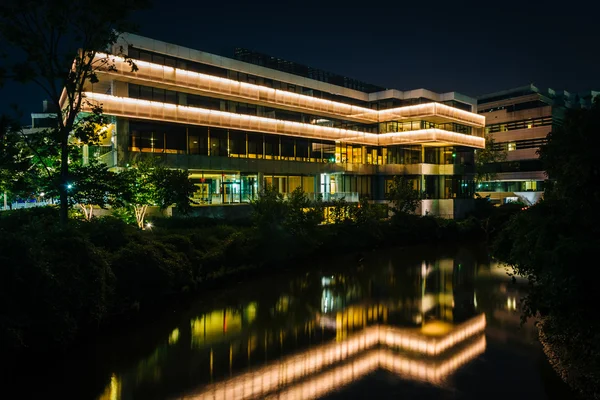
x: 468, y: 47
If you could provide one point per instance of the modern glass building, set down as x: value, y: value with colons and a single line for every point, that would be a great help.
x: 519, y: 120
x: 238, y: 124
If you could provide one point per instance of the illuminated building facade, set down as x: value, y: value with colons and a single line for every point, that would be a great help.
x: 519, y: 120
x: 239, y: 124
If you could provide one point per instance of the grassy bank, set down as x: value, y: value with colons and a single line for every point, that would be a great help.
x: 57, y: 281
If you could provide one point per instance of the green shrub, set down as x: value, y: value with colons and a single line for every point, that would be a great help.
x: 146, y: 272
x: 53, y: 282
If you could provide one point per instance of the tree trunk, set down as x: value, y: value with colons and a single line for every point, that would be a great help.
x: 140, y: 214
x: 87, y: 213
x: 64, y: 174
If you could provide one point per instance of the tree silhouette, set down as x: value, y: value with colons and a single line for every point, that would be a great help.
x: 55, y: 44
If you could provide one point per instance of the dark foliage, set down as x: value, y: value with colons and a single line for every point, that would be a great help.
x: 554, y: 244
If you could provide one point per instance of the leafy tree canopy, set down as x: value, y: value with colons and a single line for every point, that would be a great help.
x: 486, y: 157
x: 403, y: 197
x: 54, y: 44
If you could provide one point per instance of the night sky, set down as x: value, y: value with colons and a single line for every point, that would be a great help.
x: 472, y: 48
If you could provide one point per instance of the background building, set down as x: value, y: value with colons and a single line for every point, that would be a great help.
x: 239, y: 124
x: 519, y: 120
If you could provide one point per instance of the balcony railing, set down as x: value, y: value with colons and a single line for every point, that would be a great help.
x: 349, y: 197
x: 156, y: 74
x: 144, y: 109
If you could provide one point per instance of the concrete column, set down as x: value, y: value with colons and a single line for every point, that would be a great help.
x: 122, y: 142
x: 86, y: 154
x: 317, y: 186
x: 261, y: 182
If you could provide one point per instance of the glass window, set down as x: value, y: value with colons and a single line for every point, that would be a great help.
x: 302, y: 146
x: 255, y: 145
x: 175, y: 139
x: 134, y: 91
x: 198, y: 140
x: 218, y: 142
x: 145, y: 93
x: 171, y: 97
x: 133, y: 53
x: 158, y: 59
x: 237, y: 144
x: 287, y: 148
x: 158, y: 95
x: 272, y: 147
x: 316, y: 150
x: 432, y: 155
x: 170, y: 62
x: 328, y: 150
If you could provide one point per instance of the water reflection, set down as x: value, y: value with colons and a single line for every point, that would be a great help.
x: 419, y: 315
x: 260, y: 382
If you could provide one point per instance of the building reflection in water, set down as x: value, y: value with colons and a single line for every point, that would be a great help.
x: 352, y: 371
x: 262, y: 381
x: 421, y: 320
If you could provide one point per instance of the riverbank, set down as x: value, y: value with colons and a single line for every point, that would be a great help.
x: 59, y: 282
x: 554, y: 246
x: 567, y: 356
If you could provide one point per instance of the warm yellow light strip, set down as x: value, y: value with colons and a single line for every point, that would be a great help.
x: 266, y: 379
x: 161, y: 74
x: 324, y: 383
x: 136, y: 108
x: 434, y: 345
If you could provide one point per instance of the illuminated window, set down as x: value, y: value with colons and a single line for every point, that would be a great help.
x: 512, y: 146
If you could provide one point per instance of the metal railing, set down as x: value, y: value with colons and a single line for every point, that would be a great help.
x: 349, y: 197
x: 19, y: 206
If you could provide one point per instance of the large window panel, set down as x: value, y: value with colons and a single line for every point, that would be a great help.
x: 328, y: 150
x: 302, y: 146
x: 272, y: 147
x: 287, y: 148
x: 218, y: 142
x: 237, y: 144
x: 255, y: 145
x: 198, y: 140
x: 175, y: 137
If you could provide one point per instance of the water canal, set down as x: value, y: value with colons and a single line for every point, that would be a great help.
x: 410, y: 323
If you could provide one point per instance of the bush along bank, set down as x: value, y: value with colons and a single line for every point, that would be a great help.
x: 59, y: 280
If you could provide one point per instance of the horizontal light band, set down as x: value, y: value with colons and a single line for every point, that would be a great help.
x: 339, y: 377
x: 258, y: 383
x: 144, y: 109
x: 161, y: 74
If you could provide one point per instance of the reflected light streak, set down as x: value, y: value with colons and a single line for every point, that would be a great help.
x: 144, y: 109
x: 169, y: 76
x: 388, y: 360
x: 263, y: 380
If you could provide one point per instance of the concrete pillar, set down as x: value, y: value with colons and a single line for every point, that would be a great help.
x: 317, y: 185
x: 121, y: 142
x: 261, y: 182
x: 86, y: 154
